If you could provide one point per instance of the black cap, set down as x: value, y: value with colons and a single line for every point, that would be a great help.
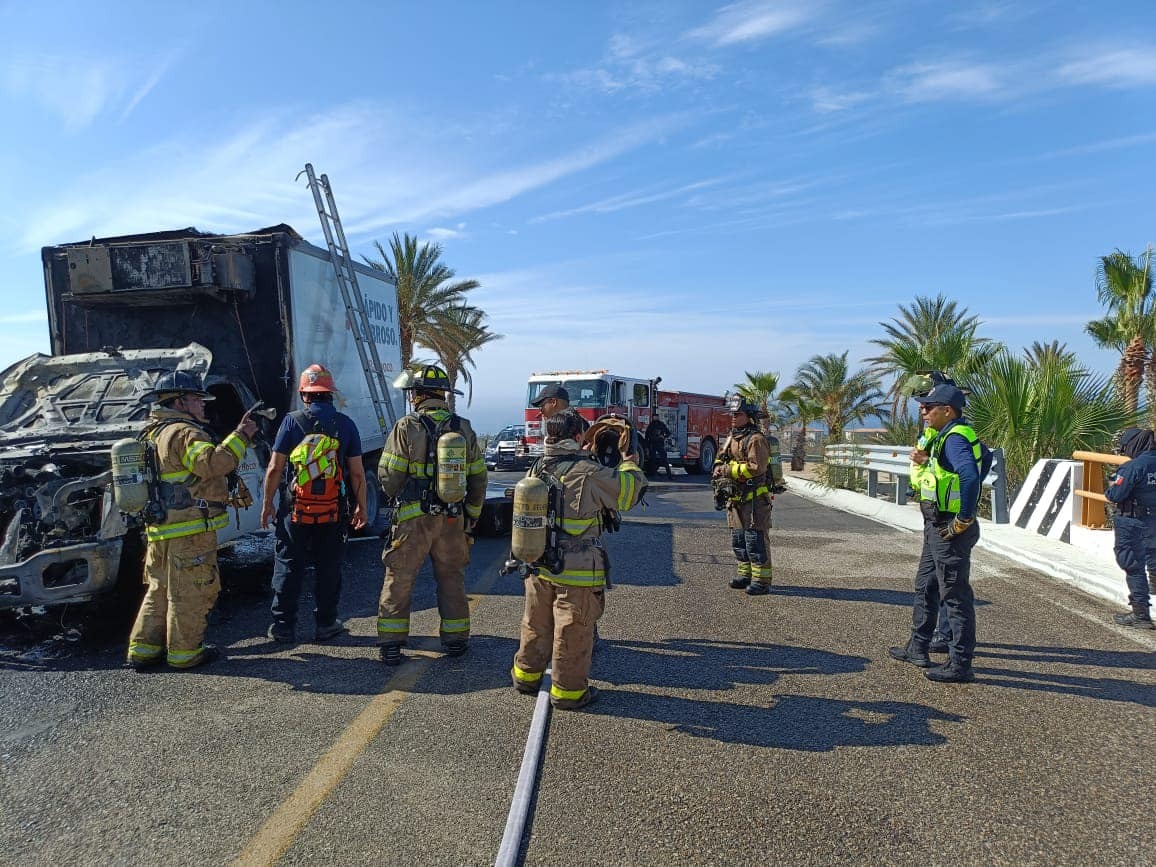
x: 944, y: 394
x: 550, y: 391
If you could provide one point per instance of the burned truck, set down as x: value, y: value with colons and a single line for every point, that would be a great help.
x: 247, y: 312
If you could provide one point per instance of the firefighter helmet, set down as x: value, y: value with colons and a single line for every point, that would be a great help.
x: 739, y: 403
x: 174, y: 383
x: 315, y: 378
x: 427, y: 378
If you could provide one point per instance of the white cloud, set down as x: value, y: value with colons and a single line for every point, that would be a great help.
x: 632, y: 65
x: 1112, y: 67
x: 632, y: 199
x: 247, y: 178
x: 989, y: 12
x: 753, y: 20
x: 77, y: 88
x: 441, y: 233
x: 948, y: 79
x: 826, y: 100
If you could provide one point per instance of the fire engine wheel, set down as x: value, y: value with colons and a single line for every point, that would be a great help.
x: 705, y: 462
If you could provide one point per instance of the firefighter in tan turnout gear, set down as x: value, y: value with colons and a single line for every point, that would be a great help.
x: 432, y: 466
x: 181, y: 560
x: 744, y: 479
x: 565, y: 586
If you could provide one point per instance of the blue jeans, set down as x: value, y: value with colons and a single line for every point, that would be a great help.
x: 1135, y: 550
x: 944, y: 578
x: 297, y: 547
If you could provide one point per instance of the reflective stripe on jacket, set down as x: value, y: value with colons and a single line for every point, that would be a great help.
x: 188, y: 454
x: 587, y: 489
x: 746, y: 455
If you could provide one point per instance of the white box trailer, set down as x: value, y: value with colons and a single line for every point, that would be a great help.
x: 248, y: 311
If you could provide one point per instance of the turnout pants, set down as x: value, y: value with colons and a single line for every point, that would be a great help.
x: 183, y: 584
x: 444, y: 541
x: 298, y: 546
x: 558, y: 624
x: 749, y: 523
x: 944, y: 576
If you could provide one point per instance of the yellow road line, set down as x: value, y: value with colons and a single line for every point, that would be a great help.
x: 289, y: 819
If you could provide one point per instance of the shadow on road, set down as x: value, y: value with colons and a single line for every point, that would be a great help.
x: 1106, y: 688
x: 792, y: 722
x: 715, y: 665
x: 1070, y: 655
x: 880, y: 596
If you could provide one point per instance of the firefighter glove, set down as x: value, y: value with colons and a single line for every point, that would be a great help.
x: 956, y: 527
x: 239, y: 497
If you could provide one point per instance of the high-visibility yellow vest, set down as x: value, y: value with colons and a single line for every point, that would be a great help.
x: 915, y: 471
x: 940, y: 484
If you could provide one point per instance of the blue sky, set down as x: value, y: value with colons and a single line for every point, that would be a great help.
x: 683, y: 189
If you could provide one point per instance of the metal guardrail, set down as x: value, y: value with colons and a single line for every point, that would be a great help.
x: 896, y: 462
x: 1093, y: 513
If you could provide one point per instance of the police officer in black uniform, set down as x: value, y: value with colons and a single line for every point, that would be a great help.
x: 1133, y: 491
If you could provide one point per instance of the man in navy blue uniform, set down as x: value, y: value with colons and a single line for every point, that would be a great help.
x: 1133, y: 490
x: 957, y: 463
x: 312, y: 520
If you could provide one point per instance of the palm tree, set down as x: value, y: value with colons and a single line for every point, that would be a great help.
x: 463, y: 330
x: 931, y: 334
x: 759, y: 388
x: 844, y: 397
x: 1124, y: 286
x: 801, y: 411
x: 1039, y: 354
x: 1044, y: 410
x: 425, y: 292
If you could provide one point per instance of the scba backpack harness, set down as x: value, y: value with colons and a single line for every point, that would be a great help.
x: 442, y: 490
x: 316, y: 478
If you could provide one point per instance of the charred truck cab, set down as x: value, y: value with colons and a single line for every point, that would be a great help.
x: 247, y: 312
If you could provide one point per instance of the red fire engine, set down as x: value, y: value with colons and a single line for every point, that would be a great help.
x: 698, y: 423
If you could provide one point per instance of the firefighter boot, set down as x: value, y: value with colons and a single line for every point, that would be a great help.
x: 151, y: 663
x: 1137, y: 618
x: 758, y: 588
x: 740, y: 582
x: 455, y: 648
x: 588, y: 697
x: 391, y: 654
x: 209, y: 654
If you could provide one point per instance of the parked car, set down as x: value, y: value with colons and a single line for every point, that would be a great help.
x: 501, y: 453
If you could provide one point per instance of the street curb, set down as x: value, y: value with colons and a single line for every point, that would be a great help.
x: 1054, y: 559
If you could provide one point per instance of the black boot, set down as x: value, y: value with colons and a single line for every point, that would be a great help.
x: 740, y: 582
x: 915, y: 655
x: 391, y: 654
x: 1137, y: 618
x: 951, y: 672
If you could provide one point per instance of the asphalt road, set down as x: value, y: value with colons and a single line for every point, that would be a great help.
x: 732, y: 729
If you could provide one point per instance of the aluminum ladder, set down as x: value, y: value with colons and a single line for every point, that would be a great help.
x: 351, y: 294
